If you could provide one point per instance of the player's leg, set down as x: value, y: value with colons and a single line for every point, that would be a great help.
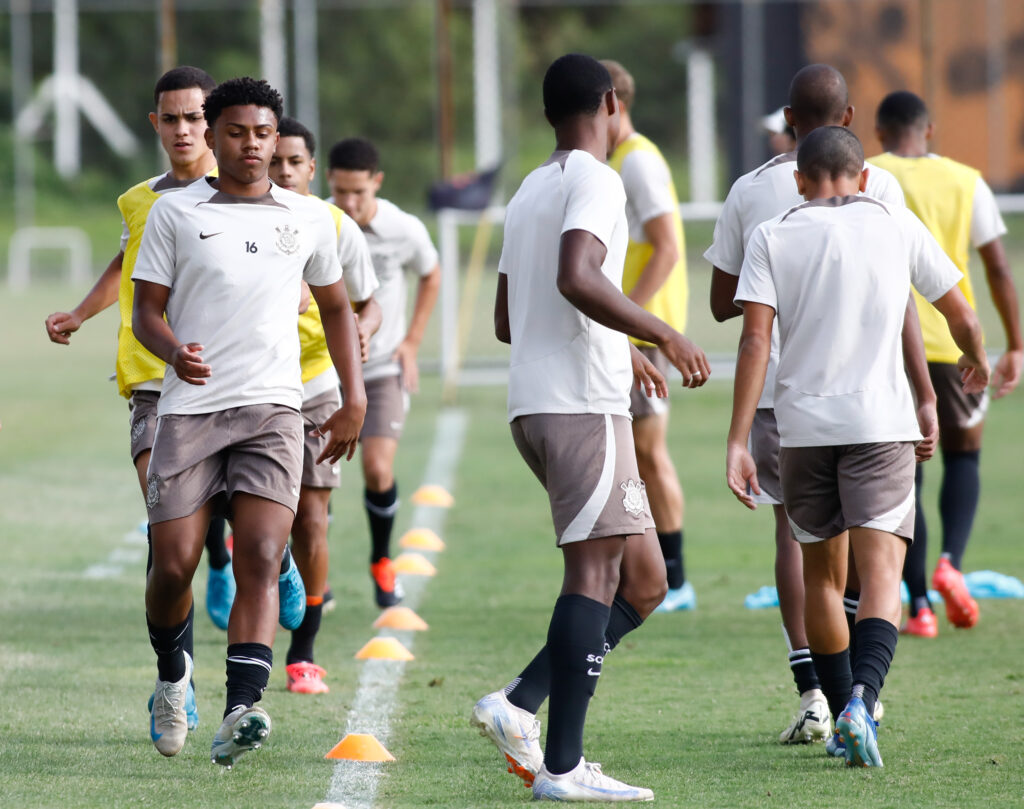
x: 381, y: 503
x: 309, y: 548
x: 921, y: 621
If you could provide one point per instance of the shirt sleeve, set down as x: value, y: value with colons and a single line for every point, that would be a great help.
x: 322, y: 267
x: 727, y: 247
x: 986, y: 221
x: 931, y: 271
x: 756, y: 283
x: 647, y: 182
x: 157, y: 254
x: 594, y: 198
x: 423, y: 257
x: 357, y: 266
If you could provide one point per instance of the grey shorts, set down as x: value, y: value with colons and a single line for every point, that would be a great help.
x: 255, y: 449
x: 587, y: 464
x: 830, y: 489
x: 640, y: 404
x: 764, y: 447
x: 142, y: 416
x: 314, y: 413
x: 387, y: 404
x: 957, y: 410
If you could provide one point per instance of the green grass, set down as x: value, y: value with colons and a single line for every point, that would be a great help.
x: 690, y: 705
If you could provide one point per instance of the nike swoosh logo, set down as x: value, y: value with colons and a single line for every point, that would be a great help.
x: 593, y: 673
x: 208, y: 235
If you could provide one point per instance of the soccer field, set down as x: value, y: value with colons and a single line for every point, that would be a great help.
x: 690, y: 705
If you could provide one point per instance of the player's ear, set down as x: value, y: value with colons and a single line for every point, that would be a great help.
x: 377, y: 179
x: 787, y: 113
x: 611, y: 102
x: 864, y: 179
x: 801, y: 183
x: 154, y: 121
x: 929, y: 130
x: 847, y: 116
x: 312, y: 167
x: 208, y: 134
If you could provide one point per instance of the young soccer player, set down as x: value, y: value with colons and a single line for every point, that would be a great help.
x: 223, y: 260
x: 292, y: 167
x: 958, y: 208
x: 655, y: 278
x: 399, y: 243
x: 560, y: 305
x: 817, y: 97
x: 835, y: 273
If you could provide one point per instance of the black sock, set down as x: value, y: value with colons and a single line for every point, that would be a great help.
x: 169, y: 644
x: 851, y: 601
x: 804, y: 674
x: 301, y: 647
x: 248, y: 671
x: 672, y: 549
x: 286, y: 559
x: 836, y: 679
x: 876, y: 645
x: 380, y: 511
x: 577, y: 648
x: 916, y: 561
x: 216, y: 549
x: 149, y: 549
x: 958, y: 501
x: 622, y: 620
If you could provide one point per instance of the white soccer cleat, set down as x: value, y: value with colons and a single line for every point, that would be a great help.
x: 168, y: 719
x: 812, y: 723
x: 585, y: 783
x: 242, y: 730
x: 879, y: 711
x: 516, y: 733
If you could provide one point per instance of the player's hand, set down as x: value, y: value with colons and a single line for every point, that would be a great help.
x: 61, y: 325
x: 363, y: 329
x: 928, y: 423
x: 1006, y: 374
x: 646, y: 376
x: 688, y: 357
x: 741, y: 474
x: 405, y: 354
x: 974, y: 377
x: 341, y: 431
x: 188, y: 364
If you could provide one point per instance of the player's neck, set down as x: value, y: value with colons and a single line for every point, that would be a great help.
x: 585, y: 134
x: 626, y: 128
x: 229, y: 185
x: 909, y: 145
x: 826, y: 188
x: 196, y: 169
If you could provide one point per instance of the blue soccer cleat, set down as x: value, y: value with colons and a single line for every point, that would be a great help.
x: 834, y: 746
x: 220, y: 595
x: 292, y: 596
x: 859, y: 734
x: 682, y: 598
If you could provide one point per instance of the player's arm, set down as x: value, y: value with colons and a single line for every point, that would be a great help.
x: 723, y: 290
x: 502, y: 329
x: 426, y: 297
x: 916, y: 364
x: 660, y: 233
x: 966, y: 331
x: 368, y: 317
x: 586, y: 287
x: 342, y: 428
x: 61, y: 325
x: 155, y: 334
x: 748, y: 382
x: 1007, y: 372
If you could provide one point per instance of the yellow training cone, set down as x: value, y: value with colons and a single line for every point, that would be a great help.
x: 384, y: 649
x: 422, y: 539
x: 433, y: 495
x: 359, y: 747
x: 400, y: 618
x: 414, y: 564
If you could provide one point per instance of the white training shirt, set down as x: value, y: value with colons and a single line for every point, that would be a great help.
x: 233, y: 265
x: 763, y: 194
x: 562, y: 361
x: 648, y: 184
x: 838, y: 273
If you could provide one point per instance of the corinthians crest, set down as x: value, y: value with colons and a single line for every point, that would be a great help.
x: 153, y: 491
x: 633, y: 501
x: 287, y: 240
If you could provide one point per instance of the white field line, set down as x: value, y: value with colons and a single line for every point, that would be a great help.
x: 354, y: 783
x: 127, y: 555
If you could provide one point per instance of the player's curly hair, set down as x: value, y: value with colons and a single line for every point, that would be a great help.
x: 242, y: 92
x: 354, y: 154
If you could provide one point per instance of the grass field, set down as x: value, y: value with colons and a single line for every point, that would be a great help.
x: 690, y: 705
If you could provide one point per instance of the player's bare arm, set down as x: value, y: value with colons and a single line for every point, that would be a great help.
x: 502, y: 329
x: 426, y: 297
x: 61, y: 325
x: 368, y: 317
x: 966, y: 331
x: 305, y: 298
x: 646, y: 376
x: 723, y: 291
x: 1006, y: 374
x: 661, y: 235
x: 916, y: 363
x: 155, y: 334
x: 586, y: 287
x: 342, y: 428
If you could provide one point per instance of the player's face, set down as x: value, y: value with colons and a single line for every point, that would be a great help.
x: 355, y: 192
x: 243, y: 139
x: 179, y: 122
x: 292, y: 166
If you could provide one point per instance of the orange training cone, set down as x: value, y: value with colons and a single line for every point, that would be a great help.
x: 400, y: 618
x: 359, y: 747
x: 433, y: 495
x: 384, y: 649
x: 422, y: 539
x: 414, y: 564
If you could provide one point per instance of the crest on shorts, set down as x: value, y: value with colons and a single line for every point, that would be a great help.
x: 153, y: 492
x: 287, y: 240
x: 633, y: 501
x: 138, y: 428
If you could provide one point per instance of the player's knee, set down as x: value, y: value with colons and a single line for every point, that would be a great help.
x: 310, y: 525
x: 379, y: 476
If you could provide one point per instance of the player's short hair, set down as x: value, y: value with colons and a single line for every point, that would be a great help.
x: 242, y: 92
x: 901, y: 111
x: 830, y: 151
x: 184, y: 77
x: 575, y: 84
x: 622, y: 81
x: 288, y: 127
x: 818, y: 95
x: 354, y: 154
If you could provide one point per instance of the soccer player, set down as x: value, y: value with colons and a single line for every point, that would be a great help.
x: 655, y: 278
x: 957, y: 206
x: 817, y: 97
x: 560, y: 305
x: 399, y: 243
x: 223, y: 260
x: 292, y: 167
x: 835, y: 273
